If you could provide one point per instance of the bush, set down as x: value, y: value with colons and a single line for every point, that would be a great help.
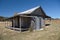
x: 31, y: 29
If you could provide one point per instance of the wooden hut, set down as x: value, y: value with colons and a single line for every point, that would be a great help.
x: 33, y: 17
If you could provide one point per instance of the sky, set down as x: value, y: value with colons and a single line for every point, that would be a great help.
x: 9, y: 7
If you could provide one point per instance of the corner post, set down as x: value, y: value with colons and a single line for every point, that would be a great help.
x: 20, y: 24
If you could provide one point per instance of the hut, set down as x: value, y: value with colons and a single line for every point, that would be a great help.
x: 33, y: 17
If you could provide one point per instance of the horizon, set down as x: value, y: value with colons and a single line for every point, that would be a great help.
x: 9, y: 7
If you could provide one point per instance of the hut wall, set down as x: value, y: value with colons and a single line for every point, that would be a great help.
x: 37, y: 23
x: 25, y: 22
x: 42, y: 22
x: 15, y: 22
x: 38, y: 12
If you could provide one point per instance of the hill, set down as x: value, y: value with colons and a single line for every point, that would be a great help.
x: 2, y: 18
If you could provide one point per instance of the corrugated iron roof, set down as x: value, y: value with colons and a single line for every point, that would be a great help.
x: 28, y: 11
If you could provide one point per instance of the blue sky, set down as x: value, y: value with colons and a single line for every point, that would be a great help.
x: 9, y: 7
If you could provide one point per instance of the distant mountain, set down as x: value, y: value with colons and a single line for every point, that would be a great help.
x: 55, y: 18
x: 2, y: 18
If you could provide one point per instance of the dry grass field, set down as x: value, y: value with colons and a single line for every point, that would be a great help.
x: 51, y: 32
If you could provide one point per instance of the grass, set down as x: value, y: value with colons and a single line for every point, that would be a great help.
x: 51, y: 32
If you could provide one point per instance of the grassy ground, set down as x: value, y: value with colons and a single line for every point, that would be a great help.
x: 51, y: 32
